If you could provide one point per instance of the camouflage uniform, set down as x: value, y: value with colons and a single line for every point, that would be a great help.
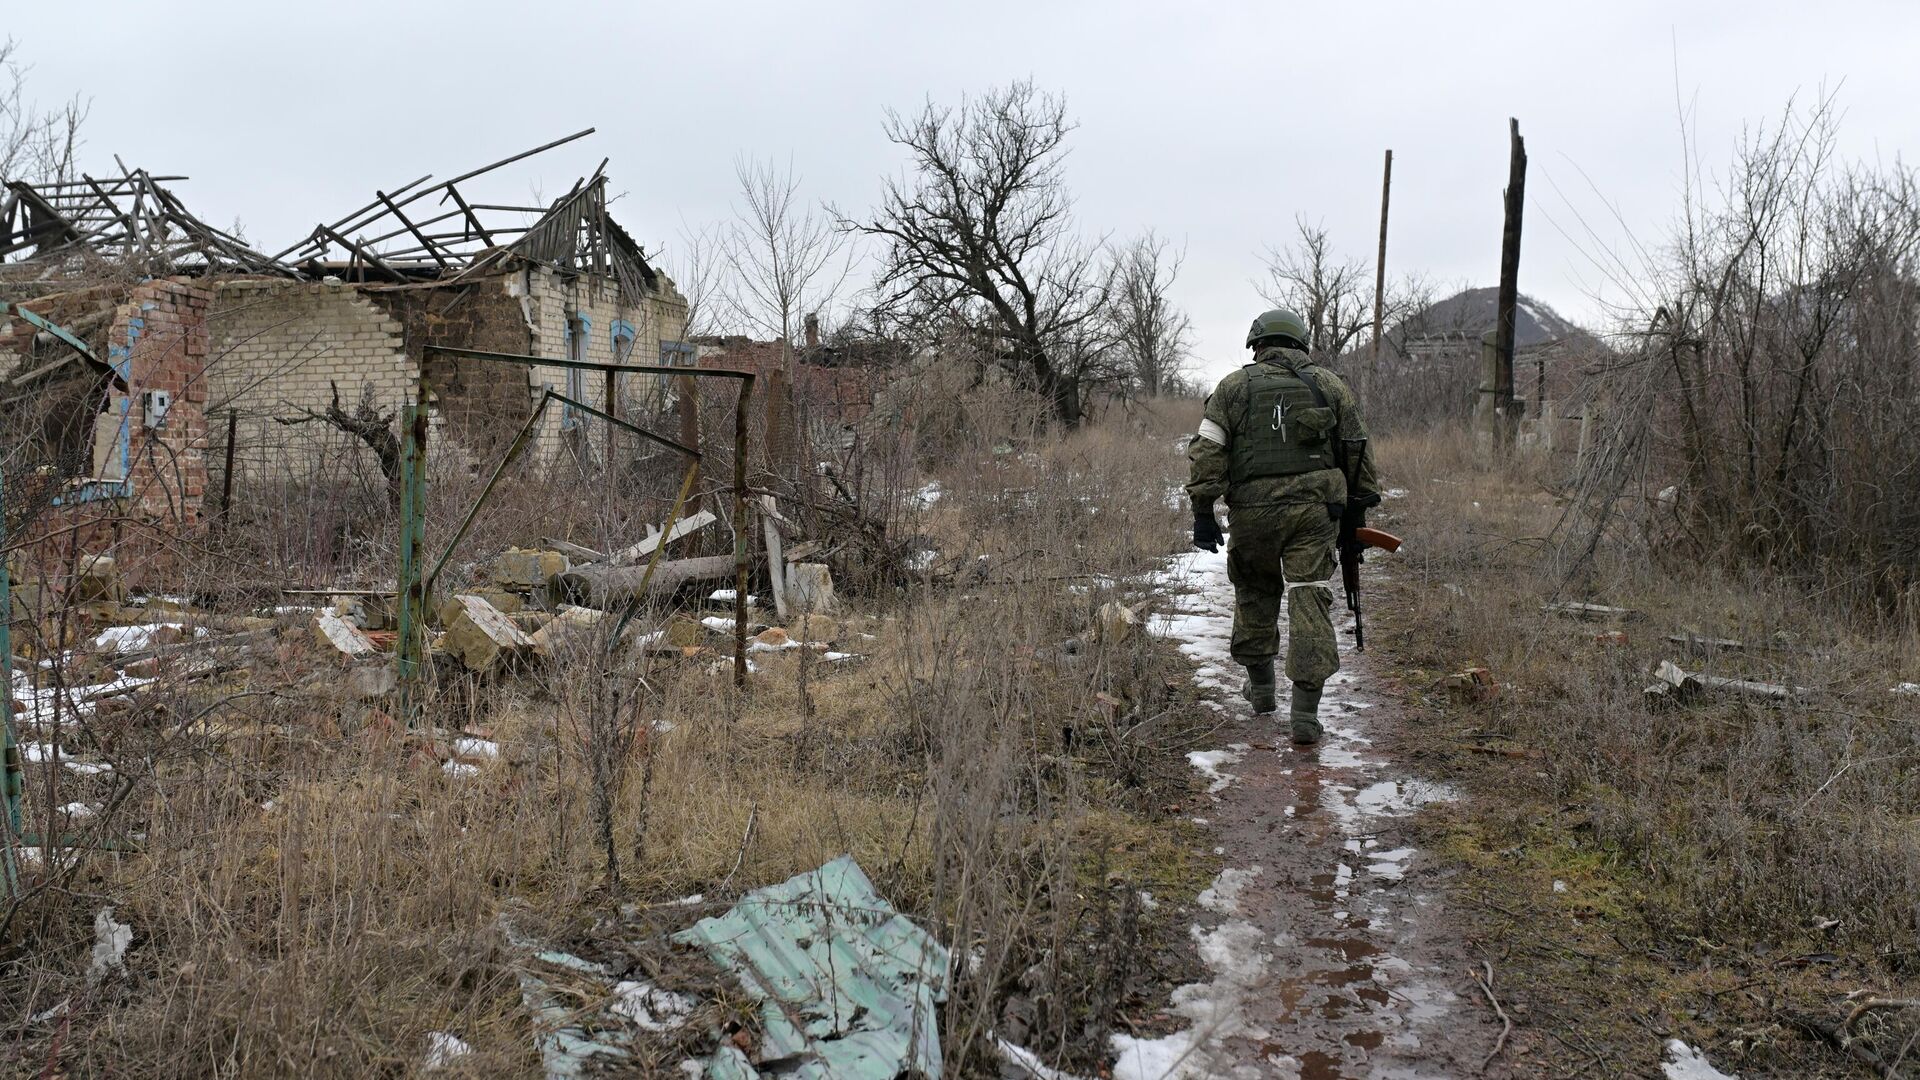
x: 1282, y: 536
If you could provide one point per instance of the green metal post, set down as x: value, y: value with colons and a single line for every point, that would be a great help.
x: 410, y: 650
x: 13, y: 782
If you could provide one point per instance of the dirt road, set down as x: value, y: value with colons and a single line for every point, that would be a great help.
x: 1326, y: 934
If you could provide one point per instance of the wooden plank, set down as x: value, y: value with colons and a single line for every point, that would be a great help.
x: 689, y: 524
x: 412, y: 228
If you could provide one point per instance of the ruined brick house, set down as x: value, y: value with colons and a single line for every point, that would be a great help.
x: 831, y: 384
x: 135, y: 337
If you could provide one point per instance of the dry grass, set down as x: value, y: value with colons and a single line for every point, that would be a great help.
x: 314, y: 895
x: 1766, y: 843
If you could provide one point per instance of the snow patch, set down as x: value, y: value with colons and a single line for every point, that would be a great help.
x: 1223, y: 895
x: 651, y: 1007
x: 443, y: 1048
x: 1685, y: 1063
x: 1216, y: 1009
x: 1208, y: 763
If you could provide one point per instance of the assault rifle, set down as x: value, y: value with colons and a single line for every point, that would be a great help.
x: 1355, y: 539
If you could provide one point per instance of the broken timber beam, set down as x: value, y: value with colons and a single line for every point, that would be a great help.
x: 1579, y: 610
x: 690, y: 523
x: 605, y: 586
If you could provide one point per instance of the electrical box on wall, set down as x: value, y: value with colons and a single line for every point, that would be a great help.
x: 153, y: 407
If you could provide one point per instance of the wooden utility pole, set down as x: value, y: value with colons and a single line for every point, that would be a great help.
x: 1507, y: 420
x: 1380, y: 273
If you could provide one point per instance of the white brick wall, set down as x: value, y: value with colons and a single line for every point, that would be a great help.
x: 276, y: 346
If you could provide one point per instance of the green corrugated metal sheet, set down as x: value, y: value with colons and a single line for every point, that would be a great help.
x: 848, y: 986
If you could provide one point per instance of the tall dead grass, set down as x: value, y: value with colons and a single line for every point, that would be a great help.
x: 315, y: 892
x: 1748, y: 821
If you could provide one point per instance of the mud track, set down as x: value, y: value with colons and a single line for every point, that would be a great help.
x: 1327, y: 933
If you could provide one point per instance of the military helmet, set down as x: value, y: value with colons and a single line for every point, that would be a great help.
x: 1278, y: 323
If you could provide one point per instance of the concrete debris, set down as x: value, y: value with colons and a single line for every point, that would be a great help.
x: 810, y: 588
x: 98, y: 581
x: 341, y: 635
x: 1675, y: 683
x: 110, y: 941
x: 1474, y: 686
x: 848, y: 987
x: 817, y: 628
x: 574, y: 628
x: 527, y: 568
x: 1116, y: 622
x: 610, y: 586
x: 372, y: 611
x: 372, y: 681
x: 483, y: 638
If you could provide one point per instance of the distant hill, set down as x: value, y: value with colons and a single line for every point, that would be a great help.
x: 1471, y: 313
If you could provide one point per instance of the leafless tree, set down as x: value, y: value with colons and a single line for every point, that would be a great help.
x: 980, y: 233
x: 695, y: 264
x: 1334, y: 295
x: 1154, y: 336
x: 35, y: 146
x: 782, y: 259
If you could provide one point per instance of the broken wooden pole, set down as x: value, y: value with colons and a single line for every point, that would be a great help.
x: 776, y: 575
x: 226, y: 476
x: 1380, y: 274
x: 1509, y: 295
x: 410, y: 651
x: 740, y: 531
x: 687, y: 405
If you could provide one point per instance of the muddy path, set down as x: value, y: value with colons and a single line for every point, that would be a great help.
x: 1327, y: 933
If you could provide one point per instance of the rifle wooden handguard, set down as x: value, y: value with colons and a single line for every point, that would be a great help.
x: 1375, y: 538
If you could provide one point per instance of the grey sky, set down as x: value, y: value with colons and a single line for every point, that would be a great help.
x: 1214, y: 123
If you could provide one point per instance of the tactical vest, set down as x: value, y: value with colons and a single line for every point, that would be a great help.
x: 1287, y: 428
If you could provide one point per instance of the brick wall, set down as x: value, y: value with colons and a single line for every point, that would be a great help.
x: 280, y: 347
x: 549, y: 298
x: 479, y: 405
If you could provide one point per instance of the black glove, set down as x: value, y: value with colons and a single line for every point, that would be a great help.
x: 1206, y: 531
x: 1353, y: 517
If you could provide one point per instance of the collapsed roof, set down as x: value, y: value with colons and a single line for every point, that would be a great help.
x: 384, y: 241
x: 132, y: 222
x: 129, y: 220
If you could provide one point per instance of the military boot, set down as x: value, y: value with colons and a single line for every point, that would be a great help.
x: 1305, y: 713
x: 1258, y: 689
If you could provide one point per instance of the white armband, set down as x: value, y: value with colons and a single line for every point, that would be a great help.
x: 1212, y: 432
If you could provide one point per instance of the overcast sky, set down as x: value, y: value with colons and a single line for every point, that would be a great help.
x: 1216, y: 124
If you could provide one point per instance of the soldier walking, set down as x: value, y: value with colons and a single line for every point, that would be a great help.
x: 1283, y: 441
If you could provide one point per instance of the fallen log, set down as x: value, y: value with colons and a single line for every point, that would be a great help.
x: 605, y: 586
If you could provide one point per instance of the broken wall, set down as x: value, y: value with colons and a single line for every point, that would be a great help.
x: 478, y: 405
x: 614, y: 332
x: 279, y: 348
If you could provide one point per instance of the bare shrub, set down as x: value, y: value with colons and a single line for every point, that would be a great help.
x: 1773, y: 388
